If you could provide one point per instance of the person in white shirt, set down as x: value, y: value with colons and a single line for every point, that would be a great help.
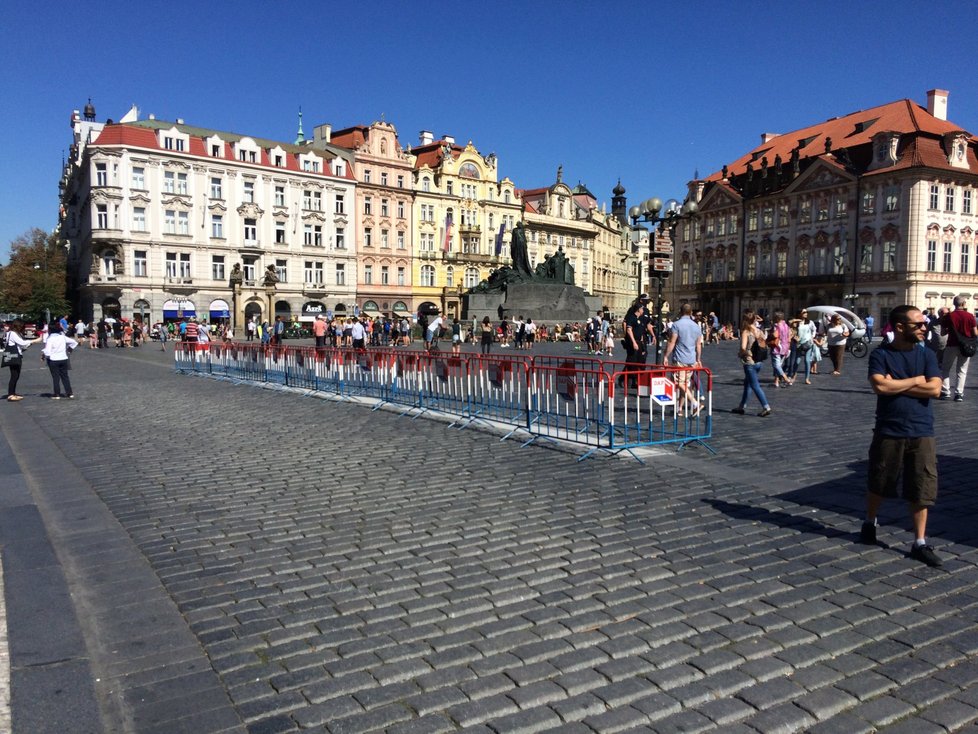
x: 434, y: 329
x: 56, y: 349
x: 358, y: 334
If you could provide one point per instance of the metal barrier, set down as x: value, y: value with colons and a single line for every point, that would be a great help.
x: 568, y: 402
x: 605, y: 406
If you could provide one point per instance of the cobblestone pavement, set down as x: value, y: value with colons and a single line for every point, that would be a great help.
x: 255, y: 560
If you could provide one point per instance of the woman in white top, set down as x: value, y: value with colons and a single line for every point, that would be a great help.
x: 15, y: 338
x: 56, y: 350
x: 838, y: 334
x: 806, y: 344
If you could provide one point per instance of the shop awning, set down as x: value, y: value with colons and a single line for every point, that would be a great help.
x: 372, y: 314
x: 403, y: 313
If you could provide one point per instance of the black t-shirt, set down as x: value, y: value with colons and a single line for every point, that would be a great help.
x: 636, y: 324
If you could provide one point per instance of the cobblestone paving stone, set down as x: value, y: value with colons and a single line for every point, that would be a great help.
x: 353, y: 571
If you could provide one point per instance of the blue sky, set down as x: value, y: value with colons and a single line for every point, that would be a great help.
x: 649, y: 92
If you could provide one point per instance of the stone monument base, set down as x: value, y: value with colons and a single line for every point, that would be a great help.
x: 545, y: 303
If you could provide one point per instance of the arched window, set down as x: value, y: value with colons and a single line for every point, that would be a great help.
x: 428, y: 275
x: 471, y: 277
x: 426, y: 184
x: 450, y: 276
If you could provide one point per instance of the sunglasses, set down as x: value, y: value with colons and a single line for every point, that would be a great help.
x: 915, y: 324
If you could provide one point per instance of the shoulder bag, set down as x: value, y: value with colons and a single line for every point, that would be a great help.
x: 968, y: 345
x: 11, y: 354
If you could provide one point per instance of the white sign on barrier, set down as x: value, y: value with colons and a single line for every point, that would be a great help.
x: 663, y: 391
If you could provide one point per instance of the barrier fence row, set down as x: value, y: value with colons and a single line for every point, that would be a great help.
x: 602, y: 405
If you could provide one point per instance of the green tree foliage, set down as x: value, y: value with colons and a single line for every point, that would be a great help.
x: 34, y: 279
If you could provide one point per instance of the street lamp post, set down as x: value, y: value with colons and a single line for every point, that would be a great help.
x: 660, y: 254
x: 47, y: 311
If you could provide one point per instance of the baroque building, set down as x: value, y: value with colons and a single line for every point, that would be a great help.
x: 596, y: 243
x: 167, y: 220
x: 463, y: 215
x: 384, y: 214
x: 872, y: 209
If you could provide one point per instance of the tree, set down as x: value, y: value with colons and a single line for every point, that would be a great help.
x: 33, y: 282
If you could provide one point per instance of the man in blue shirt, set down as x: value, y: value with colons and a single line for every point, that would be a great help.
x: 686, y: 348
x: 905, y: 376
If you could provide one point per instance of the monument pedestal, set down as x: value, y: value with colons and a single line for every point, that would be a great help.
x: 545, y: 303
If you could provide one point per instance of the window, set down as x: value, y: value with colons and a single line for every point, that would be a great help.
x: 400, y: 275
x: 251, y: 230
x: 805, y: 211
x: 249, y: 262
x: 384, y: 235
x: 307, y: 234
x: 217, y: 226
x: 368, y: 237
x: 181, y: 183
x: 139, y: 263
x: 752, y: 220
x: 949, y: 199
x: 279, y: 162
x: 866, y: 257
x: 449, y: 188
x: 427, y: 275
x: 948, y: 255
x: 184, y: 264
x: 282, y: 270
x: 139, y: 178
x: 841, y: 207
x: 383, y: 179
x: 767, y: 216
x: 367, y: 204
x: 450, y: 276
x: 400, y: 240
x: 383, y: 208
x: 935, y: 195
x: 170, y: 222
x: 932, y: 255
x: 822, y: 212
x: 471, y: 277
x: 340, y: 274
x: 217, y: 190
x: 400, y: 182
x: 869, y: 202
x: 340, y: 239
x: 426, y: 184
x: 966, y: 201
x: 400, y: 209
x: 249, y: 192
x: 279, y: 196
x: 368, y: 274
x: 892, y: 199
x: 317, y: 235
x: 340, y: 204
x: 751, y: 265
x: 183, y: 222
x: 781, y: 263
x: 171, y: 265
x: 313, y: 273
x: 506, y: 198
x: 313, y: 200
x: 783, y: 213
x: 366, y: 175
x: 385, y: 275
x: 965, y: 256
x: 279, y: 233
x: 217, y: 267
x: 722, y: 224
x: 169, y: 182
x: 216, y: 151
x: 171, y: 143
x: 139, y: 219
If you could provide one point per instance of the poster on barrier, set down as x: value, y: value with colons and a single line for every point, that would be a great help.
x: 662, y: 390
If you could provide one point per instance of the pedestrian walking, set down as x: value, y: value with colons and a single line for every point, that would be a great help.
x: 163, y: 335
x: 806, y: 350
x: 358, y: 334
x: 636, y: 351
x: 14, y: 345
x: 837, y: 336
x: 753, y: 354
x: 57, y: 347
x: 961, y: 331
x: 904, y: 377
x: 685, y: 347
x: 780, y: 346
x: 456, y: 336
x: 433, y: 331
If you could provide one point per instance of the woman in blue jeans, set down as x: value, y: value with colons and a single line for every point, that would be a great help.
x: 751, y: 334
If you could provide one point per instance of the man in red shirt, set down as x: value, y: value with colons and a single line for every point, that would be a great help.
x: 319, y: 331
x: 191, y: 333
x: 960, y: 328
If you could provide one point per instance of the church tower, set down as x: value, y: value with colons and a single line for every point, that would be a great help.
x: 619, y: 205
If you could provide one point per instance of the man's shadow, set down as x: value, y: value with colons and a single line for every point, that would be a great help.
x: 952, y: 519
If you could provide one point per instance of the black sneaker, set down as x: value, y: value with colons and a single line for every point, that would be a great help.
x: 958, y: 398
x: 926, y: 554
x: 944, y: 396
x: 867, y: 533
x: 738, y: 411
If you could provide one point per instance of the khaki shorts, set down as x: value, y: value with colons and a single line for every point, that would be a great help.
x: 682, y: 377
x: 917, y: 457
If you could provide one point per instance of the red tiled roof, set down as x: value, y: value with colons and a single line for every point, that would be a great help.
x: 430, y: 155
x: 138, y: 136
x: 858, y: 128
x: 350, y: 137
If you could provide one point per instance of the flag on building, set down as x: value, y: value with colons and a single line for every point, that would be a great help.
x: 448, y: 233
x: 499, y: 238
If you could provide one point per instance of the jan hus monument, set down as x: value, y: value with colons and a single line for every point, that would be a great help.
x: 545, y: 293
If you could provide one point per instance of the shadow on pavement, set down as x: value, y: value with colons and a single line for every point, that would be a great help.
x: 952, y: 518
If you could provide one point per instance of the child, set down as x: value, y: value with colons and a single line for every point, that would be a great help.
x: 609, y: 341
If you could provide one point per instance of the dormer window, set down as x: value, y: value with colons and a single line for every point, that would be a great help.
x: 173, y: 139
x: 885, y: 149
x: 247, y: 151
x: 956, y: 146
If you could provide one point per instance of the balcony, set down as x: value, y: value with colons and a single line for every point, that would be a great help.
x: 314, y: 290
x: 474, y: 258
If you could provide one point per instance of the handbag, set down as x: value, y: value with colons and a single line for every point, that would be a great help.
x: 758, y: 352
x: 11, y: 355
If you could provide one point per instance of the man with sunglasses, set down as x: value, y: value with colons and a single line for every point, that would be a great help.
x: 904, y: 376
